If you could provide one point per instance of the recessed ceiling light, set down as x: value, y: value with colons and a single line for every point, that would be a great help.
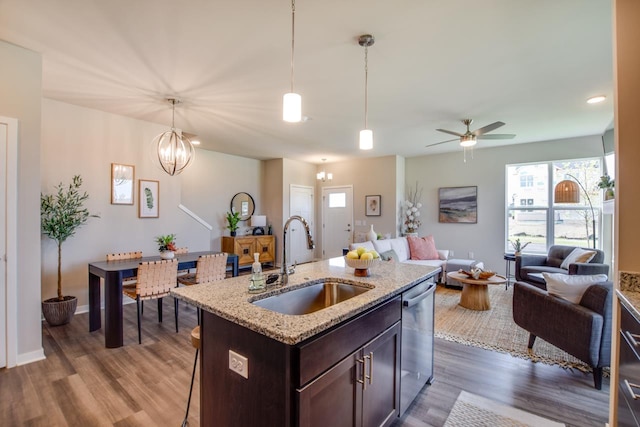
x: 596, y: 99
x: 195, y: 142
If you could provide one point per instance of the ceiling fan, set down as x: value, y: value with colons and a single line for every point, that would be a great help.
x: 469, y: 138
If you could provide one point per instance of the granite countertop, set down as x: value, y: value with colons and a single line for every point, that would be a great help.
x: 629, y: 292
x: 231, y: 300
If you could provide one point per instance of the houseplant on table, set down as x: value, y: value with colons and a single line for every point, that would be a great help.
x: 607, y: 184
x: 61, y: 214
x: 233, y: 218
x: 166, y: 245
x: 518, y: 246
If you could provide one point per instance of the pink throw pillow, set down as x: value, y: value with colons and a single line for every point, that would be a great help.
x: 422, y: 248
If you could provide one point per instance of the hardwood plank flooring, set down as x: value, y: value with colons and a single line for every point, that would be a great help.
x: 82, y: 383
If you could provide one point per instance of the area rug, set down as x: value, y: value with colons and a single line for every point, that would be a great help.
x: 475, y: 411
x: 494, y: 329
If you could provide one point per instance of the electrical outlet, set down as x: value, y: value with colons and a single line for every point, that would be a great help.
x: 470, y: 255
x: 239, y: 364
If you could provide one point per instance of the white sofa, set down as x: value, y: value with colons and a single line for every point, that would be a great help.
x: 400, y: 246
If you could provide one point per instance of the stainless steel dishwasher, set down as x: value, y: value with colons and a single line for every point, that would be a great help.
x: 417, y: 341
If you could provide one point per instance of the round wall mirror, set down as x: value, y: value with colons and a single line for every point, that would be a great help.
x: 243, y: 204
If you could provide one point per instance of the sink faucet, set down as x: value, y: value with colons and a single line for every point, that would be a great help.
x: 285, y: 269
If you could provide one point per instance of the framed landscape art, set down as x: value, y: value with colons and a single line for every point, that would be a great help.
x: 458, y: 205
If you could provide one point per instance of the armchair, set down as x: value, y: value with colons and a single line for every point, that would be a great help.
x: 529, y: 267
x: 582, y: 330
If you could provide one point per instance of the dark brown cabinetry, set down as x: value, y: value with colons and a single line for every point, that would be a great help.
x: 629, y: 370
x: 361, y: 390
x: 348, y: 375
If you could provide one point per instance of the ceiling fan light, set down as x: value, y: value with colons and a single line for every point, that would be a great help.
x: 468, y: 141
x: 292, y: 107
x: 366, y: 139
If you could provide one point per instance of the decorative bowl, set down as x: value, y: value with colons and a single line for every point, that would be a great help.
x: 361, y: 265
x: 483, y: 275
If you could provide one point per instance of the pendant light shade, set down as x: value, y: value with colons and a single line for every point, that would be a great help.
x: 175, y: 151
x: 366, y: 135
x: 567, y: 191
x: 291, y: 107
x: 366, y: 139
x: 292, y: 102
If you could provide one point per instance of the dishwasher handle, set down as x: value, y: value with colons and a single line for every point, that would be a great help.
x: 416, y: 300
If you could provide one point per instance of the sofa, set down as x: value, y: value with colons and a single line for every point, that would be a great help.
x: 400, y: 246
x: 582, y: 328
x: 529, y: 267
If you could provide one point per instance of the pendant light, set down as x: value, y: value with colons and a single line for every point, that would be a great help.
x: 175, y: 151
x: 366, y: 135
x: 292, y: 102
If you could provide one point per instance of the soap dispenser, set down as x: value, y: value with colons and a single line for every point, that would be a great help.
x: 256, y: 283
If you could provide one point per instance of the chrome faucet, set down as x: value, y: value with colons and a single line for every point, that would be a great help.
x: 285, y: 272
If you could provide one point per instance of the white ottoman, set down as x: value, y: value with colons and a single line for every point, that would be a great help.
x: 459, y: 264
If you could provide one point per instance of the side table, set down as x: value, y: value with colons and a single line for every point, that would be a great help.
x: 509, y: 258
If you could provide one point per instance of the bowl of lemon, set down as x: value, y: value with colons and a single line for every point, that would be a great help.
x: 361, y: 260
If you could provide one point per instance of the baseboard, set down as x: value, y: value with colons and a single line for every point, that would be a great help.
x: 32, y: 356
x: 85, y: 308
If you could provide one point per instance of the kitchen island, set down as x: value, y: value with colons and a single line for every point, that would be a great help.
x: 340, y: 364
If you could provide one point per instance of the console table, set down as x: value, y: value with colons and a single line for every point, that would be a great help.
x: 245, y: 246
x: 112, y: 272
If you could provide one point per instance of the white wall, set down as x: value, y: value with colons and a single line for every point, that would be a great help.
x: 486, y: 170
x: 82, y: 141
x: 21, y: 92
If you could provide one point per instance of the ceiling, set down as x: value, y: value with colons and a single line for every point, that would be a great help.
x: 530, y: 63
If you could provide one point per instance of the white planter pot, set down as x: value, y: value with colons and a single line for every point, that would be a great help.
x: 167, y: 255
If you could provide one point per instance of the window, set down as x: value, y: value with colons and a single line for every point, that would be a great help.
x: 337, y: 200
x: 532, y: 215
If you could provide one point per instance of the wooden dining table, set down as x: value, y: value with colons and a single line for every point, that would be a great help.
x: 113, y: 272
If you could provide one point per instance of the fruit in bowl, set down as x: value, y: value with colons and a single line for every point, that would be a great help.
x: 361, y: 259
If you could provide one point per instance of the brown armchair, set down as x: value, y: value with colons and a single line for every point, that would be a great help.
x: 582, y: 330
x: 529, y: 267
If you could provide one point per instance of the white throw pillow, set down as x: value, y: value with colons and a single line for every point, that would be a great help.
x: 569, y: 287
x: 577, y: 255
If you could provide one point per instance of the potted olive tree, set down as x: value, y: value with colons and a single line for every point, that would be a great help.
x: 61, y: 214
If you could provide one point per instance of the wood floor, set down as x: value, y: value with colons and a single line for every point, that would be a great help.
x: 81, y: 383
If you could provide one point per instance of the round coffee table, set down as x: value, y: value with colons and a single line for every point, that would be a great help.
x: 475, y: 292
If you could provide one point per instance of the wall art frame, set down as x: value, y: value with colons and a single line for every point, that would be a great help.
x: 373, y: 205
x: 148, y: 198
x: 458, y: 205
x: 122, y: 180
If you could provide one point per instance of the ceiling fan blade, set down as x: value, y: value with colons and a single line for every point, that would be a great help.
x: 449, y: 132
x: 497, y: 136
x: 487, y: 128
x: 441, y: 142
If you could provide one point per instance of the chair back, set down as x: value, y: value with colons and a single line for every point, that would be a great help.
x: 211, y: 268
x: 156, y: 278
x: 179, y: 251
x: 124, y: 255
x: 557, y: 254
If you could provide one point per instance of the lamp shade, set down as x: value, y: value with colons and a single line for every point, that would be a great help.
x: 567, y: 191
x: 258, y: 221
x: 291, y: 107
x: 366, y: 139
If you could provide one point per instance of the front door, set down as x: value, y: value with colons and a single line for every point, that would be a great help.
x: 337, y: 220
x: 300, y: 203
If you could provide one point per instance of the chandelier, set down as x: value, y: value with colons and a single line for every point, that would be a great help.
x: 175, y: 151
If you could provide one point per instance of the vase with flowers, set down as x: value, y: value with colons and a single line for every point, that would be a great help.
x: 412, y: 212
x: 166, y: 245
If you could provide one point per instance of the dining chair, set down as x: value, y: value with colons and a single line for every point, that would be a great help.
x: 154, y: 281
x: 179, y: 251
x: 127, y: 280
x: 209, y: 268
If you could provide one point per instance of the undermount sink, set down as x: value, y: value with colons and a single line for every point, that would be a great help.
x: 316, y: 296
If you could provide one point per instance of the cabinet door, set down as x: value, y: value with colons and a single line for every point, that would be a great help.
x: 265, y: 246
x: 244, y: 248
x: 333, y: 398
x: 380, y: 397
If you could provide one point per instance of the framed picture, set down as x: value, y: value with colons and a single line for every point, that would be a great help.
x: 148, y: 198
x: 458, y: 205
x: 372, y: 206
x: 122, y: 178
